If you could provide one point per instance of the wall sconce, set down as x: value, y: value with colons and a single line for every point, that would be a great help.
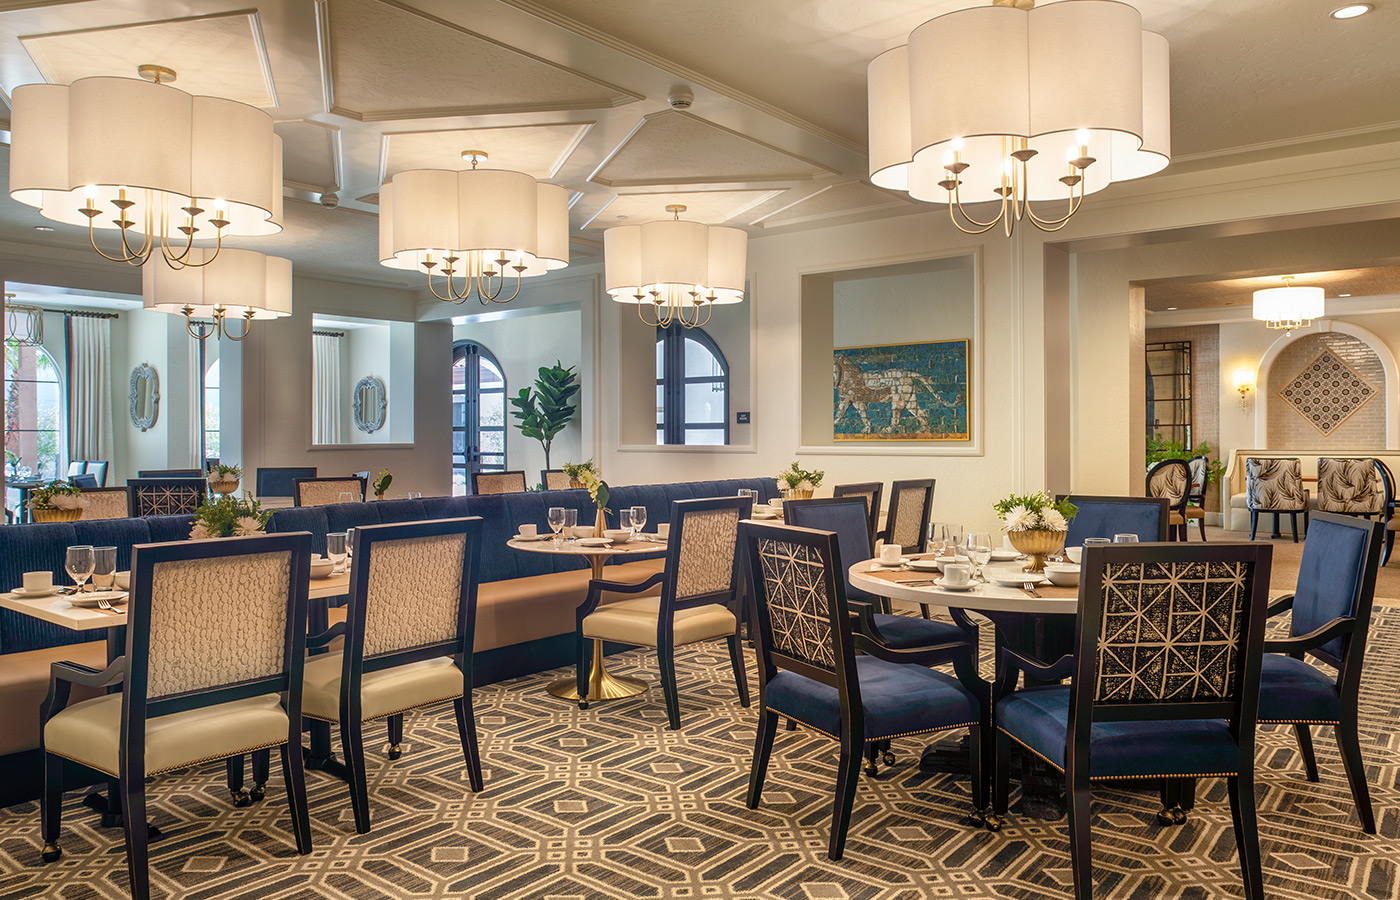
x: 1244, y: 383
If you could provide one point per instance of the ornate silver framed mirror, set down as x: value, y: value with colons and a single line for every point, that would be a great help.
x: 370, y: 404
x: 145, y: 397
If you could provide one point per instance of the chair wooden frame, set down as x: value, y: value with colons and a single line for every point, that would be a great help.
x: 524, y: 484
x: 874, y: 490
x: 138, y: 707
x: 298, y: 482
x: 897, y: 488
x: 844, y: 679
x: 1390, y: 508
x: 125, y: 491
x: 1197, y: 498
x: 1240, y: 711
x: 1353, y: 631
x: 730, y: 597
x: 1176, y: 531
x: 1162, y: 520
x: 355, y: 664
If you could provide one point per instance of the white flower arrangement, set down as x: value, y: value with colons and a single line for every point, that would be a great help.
x: 1034, y: 512
x: 57, y: 495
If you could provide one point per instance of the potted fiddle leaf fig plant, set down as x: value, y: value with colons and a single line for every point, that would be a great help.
x: 548, y: 409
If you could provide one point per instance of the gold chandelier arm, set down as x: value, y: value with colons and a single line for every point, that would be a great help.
x: 660, y: 320
x: 452, y: 296
x: 125, y: 258
x: 247, y: 326
x: 495, y: 299
x: 201, y: 333
x: 1057, y: 224
x: 698, y: 323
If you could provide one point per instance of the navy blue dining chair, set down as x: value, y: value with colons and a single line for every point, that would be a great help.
x: 1164, y: 685
x: 812, y: 668
x: 1146, y: 517
x: 1331, y: 615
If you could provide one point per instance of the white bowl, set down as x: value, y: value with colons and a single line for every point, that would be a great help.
x: 618, y: 534
x: 944, y: 560
x: 1062, y: 574
x: 1074, y: 553
x: 583, y: 531
x: 123, y: 581
x: 320, y: 568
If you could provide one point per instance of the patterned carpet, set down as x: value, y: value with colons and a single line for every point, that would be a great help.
x: 608, y: 803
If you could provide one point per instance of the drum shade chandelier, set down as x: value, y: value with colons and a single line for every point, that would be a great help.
x: 675, y: 271
x: 211, y: 293
x: 1288, y: 307
x: 1016, y: 106
x: 486, y: 227
x: 163, y: 167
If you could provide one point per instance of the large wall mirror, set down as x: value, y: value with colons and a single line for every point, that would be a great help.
x: 145, y: 397
x: 361, y: 381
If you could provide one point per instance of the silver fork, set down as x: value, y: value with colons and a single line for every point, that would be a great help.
x: 1029, y: 588
x: 106, y: 606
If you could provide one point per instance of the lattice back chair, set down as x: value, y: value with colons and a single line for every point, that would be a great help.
x: 1349, y: 486
x: 277, y: 481
x: 1389, y: 505
x: 1146, y: 517
x: 871, y: 492
x: 170, y: 473
x: 1331, y: 617
x: 1275, y: 485
x: 408, y: 630
x: 215, y: 643
x: 166, y: 496
x: 1170, y: 479
x: 699, y: 600
x: 1196, y: 497
x: 1164, y: 684
x: 555, y: 480
x: 327, y: 490
x: 911, y: 506
x: 809, y: 670
x: 512, y: 482
x: 107, y: 503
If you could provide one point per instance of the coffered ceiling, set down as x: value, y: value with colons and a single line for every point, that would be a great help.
x: 575, y: 92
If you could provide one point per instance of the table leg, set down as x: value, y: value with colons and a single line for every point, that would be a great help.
x: 602, y: 684
x: 320, y: 757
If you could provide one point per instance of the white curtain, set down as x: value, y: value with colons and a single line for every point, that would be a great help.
x: 89, y: 388
x: 325, y: 386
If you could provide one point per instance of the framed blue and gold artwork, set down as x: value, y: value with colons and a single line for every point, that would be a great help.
x: 902, y: 392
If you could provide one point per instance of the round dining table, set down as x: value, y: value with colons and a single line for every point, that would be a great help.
x: 602, y: 684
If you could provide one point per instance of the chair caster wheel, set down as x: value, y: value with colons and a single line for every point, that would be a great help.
x: 52, y: 852
x: 889, y: 757
x: 583, y: 704
x: 395, y: 751
x: 976, y: 819
x: 872, y: 770
x: 994, y: 823
x: 241, y: 799
x: 256, y: 793
x: 1174, y: 816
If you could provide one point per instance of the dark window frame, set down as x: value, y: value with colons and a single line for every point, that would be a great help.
x: 471, y: 354
x: 673, y: 381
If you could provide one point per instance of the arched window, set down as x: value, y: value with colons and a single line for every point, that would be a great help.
x: 34, y: 414
x: 692, y: 388
x: 478, y: 414
x: 211, y: 410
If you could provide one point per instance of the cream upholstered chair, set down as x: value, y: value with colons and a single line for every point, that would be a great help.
x: 107, y: 503
x: 325, y: 491
x: 1170, y: 479
x: 191, y: 693
x: 698, y: 602
x: 911, y: 505
x: 1349, y: 487
x: 408, y: 630
x: 498, y: 482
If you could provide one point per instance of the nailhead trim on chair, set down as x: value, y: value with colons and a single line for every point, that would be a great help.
x: 1059, y: 768
x: 871, y: 740
x: 183, y: 765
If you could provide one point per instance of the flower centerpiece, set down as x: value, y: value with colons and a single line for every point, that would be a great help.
x: 57, y: 501
x: 381, y: 483
x: 598, y: 490
x: 229, y: 516
x: 576, y: 471
x: 1036, y: 524
x: 797, y: 483
x: 224, y: 479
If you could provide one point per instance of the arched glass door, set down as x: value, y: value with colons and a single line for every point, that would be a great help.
x: 478, y: 414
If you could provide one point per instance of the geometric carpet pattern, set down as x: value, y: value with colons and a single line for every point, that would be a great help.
x: 606, y: 802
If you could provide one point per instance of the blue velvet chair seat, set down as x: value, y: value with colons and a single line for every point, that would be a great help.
x: 1037, y: 718
x: 899, y: 699
x: 1291, y: 690
x: 902, y: 632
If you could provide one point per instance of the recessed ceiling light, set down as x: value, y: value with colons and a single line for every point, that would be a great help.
x: 620, y: 218
x: 1351, y: 11
x: 43, y: 228
x: 1344, y: 295
x: 1170, y: 308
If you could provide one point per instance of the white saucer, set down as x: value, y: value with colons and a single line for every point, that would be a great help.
x: 86, y: 600
x: 1018, y: 579
x: 593, y: 542
x: 46, y: 592
x: 1000, y: 555
x: 537, y: 537
x: 925, y: 565
x: 954, y: 587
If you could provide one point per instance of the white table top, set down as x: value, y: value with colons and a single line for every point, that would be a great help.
x: 983, y: 597
x: 613, y: 549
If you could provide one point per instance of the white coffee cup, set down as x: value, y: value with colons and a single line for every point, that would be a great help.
x: 529, y: 531
x: 891, y: 553
x: 38, y: 581
x: 775, y: 503
x: 1074, y: 553
x: 663, y: 529
x: 957, y: 574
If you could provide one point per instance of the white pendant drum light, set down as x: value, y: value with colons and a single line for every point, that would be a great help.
x: 486, y: 227
x: 676, y: 271
x: 239, y: 284
x: 161, y: 166
x: 1288, y: 307
x: 1012, y: 105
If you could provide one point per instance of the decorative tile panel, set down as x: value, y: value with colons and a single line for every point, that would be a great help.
x: 1327, y: 392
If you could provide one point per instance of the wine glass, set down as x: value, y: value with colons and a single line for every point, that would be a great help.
x: 79, y: 564
x: 570, y: 522
x: 556, y: 522
x: 956, y: 538
x: 979, y: 548
x: 335, y: 551
x: 1125, y: 538
x: 345, y: 497
x: 415, y: 495
x: 639, y: 518
x: 104, y: 567
x: 937, y: 538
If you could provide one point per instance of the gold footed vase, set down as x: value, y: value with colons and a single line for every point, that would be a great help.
x: 1037, y: 544
x: 56, y: 515
x: 226, y: 487
x: 795, y: 494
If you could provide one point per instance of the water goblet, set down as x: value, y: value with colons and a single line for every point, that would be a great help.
x: 624, y: 520
x: 345, y: 497
x: 349, y: 542
x: 78, y: 563
x: 979, y: 548
x: 335, y: 551
x: 1125, y: 538
x: 570, y: 522
x: 639, y: 518
x: 556, y: 522
x: 104, y: 567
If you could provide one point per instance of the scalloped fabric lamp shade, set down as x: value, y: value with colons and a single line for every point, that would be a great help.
x: 239, y: 281
x: 708, y: 260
